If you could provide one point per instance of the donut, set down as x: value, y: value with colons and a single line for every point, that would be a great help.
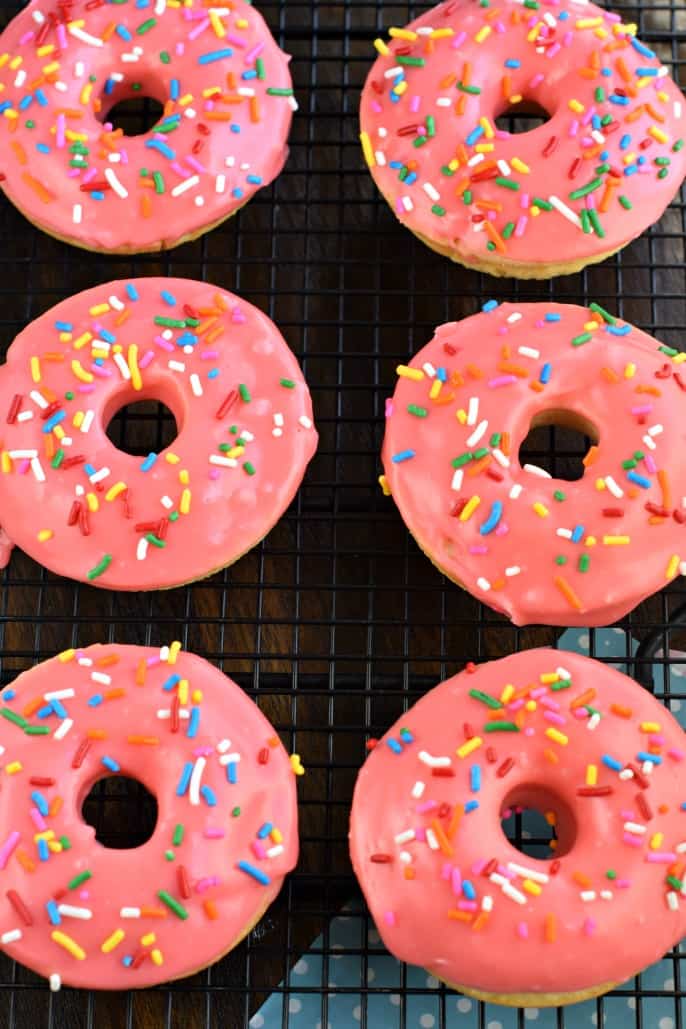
x: 89, y: 511
x: 83, y: 914
x: 543, y: 730
x: 536, y: 548
x: 227, y: 100
x: 599, y: 172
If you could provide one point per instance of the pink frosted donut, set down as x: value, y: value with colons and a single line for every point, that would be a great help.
x: 85, y: 509
x: 226, y: 834
x: 540, y: 549
x: 545, y: 202
x: 227, y: 102
x: 547, y: 730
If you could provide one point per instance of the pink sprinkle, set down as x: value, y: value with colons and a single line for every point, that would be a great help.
x: 60, y: 137
x: 456, y: 882
x: 522, y: 223
x: 38, y: 819
x: 376, y: 107
x: 202, y: 751
x: 147, y: 358
x: 73, y: 173
x: 237, y: 316
x: 254, y: 53
x: 420, y: 834
x: 503, y: 529
x: 102, y: 373
x: 195, y: 165
x: 622, y: 884
x: 502, y: 380
x: 567, y: 39
x: 660, y: 857
x: 399, y: 206
x: 548, y: 702
x: 124, y: 154
x: 8, y: 848
x: 209, y: 355
x: 628, y: 816
x: 589, y: 926
x: 502, y: 330
x: 633, y: 841
x: 501, y: 134
x: 213, y: 474
x: 427, y: 805
x: 529, y: 731
x: 199, y: 29
x: 446, y: 871
x: 523, y: 931
x: 574, y: 127
x: 84, y: 894
x: 180, y: 49
x: 181, y: 172
x: 415, y: 103
x: 658, y: 740
x: 62, y: 36
x: 516, y: 705
x: 552, y: 716
x: 236, y: 40
x: 151, y: 662
x: 650, y: 464
x: 553, y: 50
x: 499, y: 27
x: 467, y: 905
x: 458, y: 40
x: 23, y: 466
x: 90, y: 174
x: 539, y: 692
x: 25, y: 38
x: 165, y: 344
x: 580, y: 713
x: 206, y: 883
x: 536, y: 80
x: 588, y: 116
x: 676, y: 755
x: 87, y: 387
x: 524, y: 201
x: 503, y: 870
x: 478, y: 549
x: 258, y: 850
x: 643, y: 409
x: 389, y: 918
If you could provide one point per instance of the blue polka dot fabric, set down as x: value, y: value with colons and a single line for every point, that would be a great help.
x: 401, y: 996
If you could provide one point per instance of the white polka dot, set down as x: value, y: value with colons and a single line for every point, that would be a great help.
x: 432, y: 982
x: 371, y: 975
x: 531, y: 1014
x: 666, y: 1023
x: 257, y: 1021
x: 427, y: 1021
x: 395, y: 1000
x: 464, y: 1005
x: 294, y: 1006
x: 357, y: 1013
x: 668, y: 985
x: 301, y: 967
x: 584, y: 639
x: 494, y: 1025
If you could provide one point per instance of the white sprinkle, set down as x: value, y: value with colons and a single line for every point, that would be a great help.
x: 61, y: 87
x: 483, y: 584
x: 176, y: 366
x: 23, y: 455
x: 116, y: 303
x: 680, y: 848
x: 433, y: 762
x: 443, y: 101
x: 565, y: 211
x: 223, y: 746
x: 199, y: 201
x: 128, y: 58
x: 160, y: 7
x: 73, y: 912
x: 563, y: 672
x: 516, y: 491
x: 85, y: 37
x: 380, y: 158
x: 431, y: 192
x: 487, y: 903
x: 504, y: 168
x: 38, y: 399
x: 672, y: 901
x: 196, y: 385
x: 650, y: 442
x: 407, y: 204
x: 647, y: 767
x: 513, y: 893
x: 59, y: 695
x: 503, y: 461
x: 512, y: 571
x: 167, y: 502
x: 98, y: 476
x: 418, y: 789
x: 142, y: 549
x: 55, y: 982
x: 476, y: 159
x: 77, y: 214
x: 162, y: 713
x: 404, y: 837
x: 393, y: 72
x: 85, y: 662
x: 220, y: 183
x: 25, y: 416
x: 477, y: 434
x: 405, y: 857
x: 587, y: 895
x: 382, y: 132
x: 606, y: 894
x: 87, y: 421
x: 636, y: 828
x: 429, y: 370
x: 305, y: 421
x: 247, y: 435
x: 515, y: 317
x: 431, y: 839
x: 196, y: 776
x: 79, y: 69
x: 102, y: 678
x: 550, y: 19
x: 229, y: 759
x: 278, y: 419
x: 275, y: 851
x: 37, y: 469
x: 122, y: 366
x: 456, y: 484
x: 682, y: 568
x: 63, y: 728
x: 472, y: 410
x: 533, y: 469
x: 11, y: 937
x: 656, y: 430
x: 614, y: 489
x: 130, y: 913
x: 625, y: 773
x: 164, y: 653
x: 528, y: 873
x: 184, y: 186
x: 223, y: 462
x: 594, y: 721
x: 598, y: 136
x: 38, y: 17
x: 529, y: 352
x: 116, y: 185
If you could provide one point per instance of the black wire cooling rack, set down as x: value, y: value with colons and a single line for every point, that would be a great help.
x: 336, y: 623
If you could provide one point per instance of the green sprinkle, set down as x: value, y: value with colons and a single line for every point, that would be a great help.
x: 669, y: 351
x: 490, y: 245
x: 590, y: 187
x: 559, y: 495
x: 543, y: 204
x: 639, y: 455
x: 463, y: 459
x: 30, y: 123
x: 438, y: 210
x: 430, y: 125
x: 418, y: 412
x: 602, y: 169
x: 177, y: 838
x: 165, y: 58
x: 82, y: 877
x: 674, y: 882
x: 445, y: 170
x: 69, y: 395
x: 170, y: 323
x: 402, y: 174
x: 245, y: 393
x: 146, y: 26
x: 174, y: 516
x: 605, y: 315
x: 259, y: 68
x: 663, y: 173
x: 486, y: 698
x: 563, y: 684
x: 595, y: 222
x: 495, y: 439
x: 57, y: 459
x: 419, y: 141
x: 533, y: 5
x: 611, y: 874
x: 155, y: 540
x: 467, y: 196
x: 627, y: 465
x: 273, y: 91
x: 170, y: 855
x: 412, y: 62
x: 159, y: 182
x: 560, y: 559
x: 600, y: 94
x: 662, y: 160
x: 248, y: 468
x: 585, y: 221
x: 100, y: 567
x: 481, y: 452
x: 66, y: 842
x: 233, y: 429
x: 506, y: 183
x: 12, y: 716
x: 679, y: 145
x: 579, y: 341
x: 508, y: 230
x: 472, y: 90
x: 236, y: 812
x: 501, y: 727
x: 625, y: 202
x: 172, y: 904
x: 584, y: 562
x: 606, y: 119
x: 37, y: 730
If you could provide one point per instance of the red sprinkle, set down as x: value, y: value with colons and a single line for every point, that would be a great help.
x: 263, y: 756
x: 41, y: 780
x: 381, y: 859
x: 19, y: 906
x: 15, y: 408
x: 679, y: 381
x: 555, y: 867
x: 184, y: 884
x: 468, y: 731
x: 227, y: 403
x: 490, y: 868
x: 74, y: 513
x: 443, y: 773
x: 176, y: 704
x: 594, y: 791
x: 613, y: 512
x: 69, y: 462
x: 83, y: 748
x: 506, y: 766
x: 139, y: 959
x: 644, y: 807
x: 550, y: 146
x: 491, y: 755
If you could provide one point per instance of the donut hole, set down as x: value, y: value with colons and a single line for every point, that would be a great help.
x: 135, y: 116
x: 121, y: 810
x: 537, y: 822
x: 557, y: 442
x: 141, y: 423
x: 524, y: 116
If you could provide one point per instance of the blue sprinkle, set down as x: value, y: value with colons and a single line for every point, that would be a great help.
x: 64, y: 326
x: 41, y: 98
x: 232, y: 772
x: 44, y: 712
x: 5, y: 106
x: 185, y: 779
x: 174, y: 89
x: 43, y: 852
x: 50, y: 424
x: 406, y: 736
x: 193, y: 723
x: 553, y: 317
x: 595, y: 121
x: 396, y: 165
x: 168, y: 298
x: 646, y: 71
x: 99, y: 361
x: 40, y: 802
x: 494, y: 517
x: 256, y: 873
x: 109, y: 87
x: 97, y: 195
x: 630, y: 169
x: 59, y: 708
x: 468, y: 890
x: 683, y: 805
x: 215, y: 55
x: 254, y: 180
x: 162, y: 148
x: 235, y: 128
x: 640, y: 480
x: 9, y: 694
x: 604, y: 155
x: 131, y: 291
x: 625, y: 142
x: 441, y: 375
x: 655, y: 758
x: 171, y: 682
x: 187, y: 339
x: 471, y: 805
x: 213, y: 373
x: 237, y: 192
x: 546, y: 372
x: 490, y: 305
x: 43, y: 148
x: 612, y: 763
x: 641, y: 48
x: 127, y: 961
x: 512, y: 62
x: 25, y: 101
x: 110, y: 763
x: 123, y: 33
x: 394, y: 745
x: 411, y: 179
x: 140, y: 4
x: 393, y: 97
x: 96, y: 700
x: 109, y: 337
x: 251, y: 74
x: 149, y: 462
x: 209, y: 796
x: 475, y: 778
x: 53, y: 913
x: 404, y: 455
x: 606, y: 72
x: 623, y: 101
x: 563, y: 16
x: 577, y: 533
x: 264, y: 830
x: 474, y: 136
x: 641, y: 161
x: 618, y: 330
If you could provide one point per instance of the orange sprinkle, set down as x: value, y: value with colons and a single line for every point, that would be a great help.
x: 568, y: 593
x: 498, y: 584
x: 140, y: 672
x: 480, y: 921
x: 622, y: 70
x: 408, y: 872
x: 581, y: 880
x: 475, y: 372
x: 653, y: 390
x: 19, y: 152
x: 443, y: 841
x: 621, y: 711
x: 505, y: 444
x: 210, y: 909
x: 254, y: 109
x: 459, y: 916
x: 146, y: 206
x: 38, y: 188
x: 513, y: 369
x: 550, y: 756
x: 507, y: 87
x: 462, y: 187
x: 584, y: 698
x: 609, y: 375
x: 466, y: 73
x: 477, y: 467
x: 550, y: 930
x: 655, y: 114
x: 448, y: 81
x: 153, y: 913
x: 455, y: 820
x: 33, y: 706
x: 215, y: 334
x: 217, y: 115
x: 106, y: 660
x: 495, y: 237
x: 96, y: 734
x: 536, y: 386
x: 25, y: 861
x: 108, y: 31
x: 151, y: 741
x: 55, y: 806
x: 459, y: 106
x: 115, y: 693
x: 664, y: 486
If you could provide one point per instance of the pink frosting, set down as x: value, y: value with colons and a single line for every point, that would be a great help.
x: 89, y: 511
x: 471, y: 185
x: 228, y: 102
x: 597, y: 913
x: 110, y: 709
x: 536, y: 548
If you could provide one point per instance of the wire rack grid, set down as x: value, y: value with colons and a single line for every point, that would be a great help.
x: 336, y: 623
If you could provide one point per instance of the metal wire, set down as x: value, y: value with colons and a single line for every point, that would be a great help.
x: 336, y: 623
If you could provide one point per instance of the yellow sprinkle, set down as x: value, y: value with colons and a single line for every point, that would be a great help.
x: 112, y: 941
x: 383, y: 482
x: 66, y: 656
x: 650, y: 726
x: 531, y: 705
x: 664, y: 97
x: 44, y: 535
x: 171, y: 458
x: 6, y: 462
x: 148, y: 939
x: 99, y: 309
x: 461, y: 416
x: 93, y: 502
x: 529, y: 886
x: 679, y: 359
x: 16, y: 62
x: 68, y: 944
x: 114, y: 491
x: 400, y: 88
x: 86, y: 337
x: 630, y: 371
x: 156, y: 956
x: 507, y: 694
x: 436, y: 387
x: 367, y: 149
x: 600, y: 33
x: 557, y: 737
x: 591, y: 326
x: 77, y: 420
x: 658, y: 134
x: 182, y: 690
x: 588, y: 23
x: 516, y: 99
x: 184, y: 477
x: 185, y: 100
x: 381, y: 47
x: 484, y: 148
x: 55, y: 847
x: 276, y: 835
x: 95, y: 352
x: 174, y: 651
x: 35, y: 369
x: 616, y: 541
x: 576, y: 106
x: 59, y: 432
x: 80, y: 372
x: 185, y: 505
x: 487, y: 127
x: 296, y: 764
x: 535, y: 211
x: 673, y: 566
x: 85, y: 96
x: 469, y: 508
x: 656, y: 840
x: 469, y: 747
x: 541, y: 510
x: 591, y: 775
x: 217, y: 24
x: 236, y: 452
x: 136, y: 380
x: 534, y: 32
x: 43, y: 51
x: 402, y: 34
x: 13, y: 767
x: 483, y: 33
x: 549, y: 677
x: 520, y: 166
x: 196, y: 696
x: 630, y: 158
x: 50, y: 69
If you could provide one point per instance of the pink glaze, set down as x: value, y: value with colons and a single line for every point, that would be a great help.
x: 128, y: 722
x: 557, y: 55
x: 574, y: 553
x: 224, y: 130
x: 232, y: 495
x: 570, y: 942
